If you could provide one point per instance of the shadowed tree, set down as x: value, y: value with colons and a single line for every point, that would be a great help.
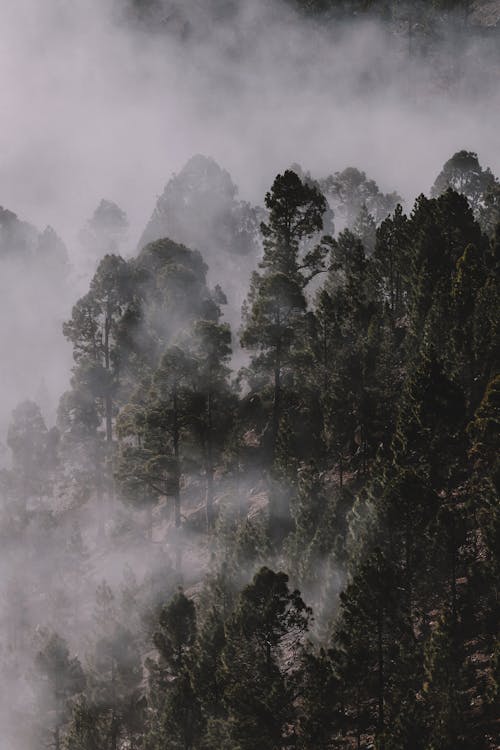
x: 274, y: 316
x: 175, y: 719
x: 61, y: 678
x: 263, y: 635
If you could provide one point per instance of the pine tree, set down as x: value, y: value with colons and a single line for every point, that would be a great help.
x: 86, y: 729
x: 151, y: 468
x: 320, y: 712
x: 115, y: 672
x: 93, y: 332
x: 261, y: 637
x: 366, y: 638
x: 390, y: 260
x: 463, y: 173
x: 206, y: 670
x: 429, y: 432
x: 469, y: 278
x: 33, y: 449
x: 275, y: 315
x: 61, y: 678
x: 441, y: 230
x: 105, y: 232
x: 365, y: 229
x: 445, y: 689
x: 211, y: 397
x: 176, y: 716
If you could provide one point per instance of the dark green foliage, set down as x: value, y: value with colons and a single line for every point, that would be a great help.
x: 369, y: 633
x: 320, y: 708
x: 262, y: 635
x: 176, y: 713
x: 390, y: 262
x: 115, y: 672
x: 445, y: 688
x: 431, y: 422
x: 86, y: 728
x: 62, y: 678
x: 442, y: 229
x: 359, y: 459
x: 274, y: 320
x: 207, y: 678
x: 489, y: 215
x: 365, y: 228
x: 94, y: 332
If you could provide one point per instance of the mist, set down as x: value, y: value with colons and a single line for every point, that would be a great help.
x: 96, y: 105
x: 91, y: 109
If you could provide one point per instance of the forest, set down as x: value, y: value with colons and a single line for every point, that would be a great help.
x: 263, y: 512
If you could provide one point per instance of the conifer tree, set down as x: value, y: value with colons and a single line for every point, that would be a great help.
x: 365, y: 228
x: 86, y: 728
x: 258, y: 689
x: 470, y: 277
x: 61, y: 678
x: 430, y: 423
x: 367, y: 633
x: 151, y: 468
x: 390, y: 261
x: 463, y: 173
x: 34, y: 455
x: 441, y: 229
x: 115, y: 671
x: 175, y: 708
x: 275, y: 314
x: 93, y: 331
x: 211, y: 396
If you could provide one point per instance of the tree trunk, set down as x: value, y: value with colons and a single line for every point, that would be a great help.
x: 454, y: 583
x: 276, y: 408
x: 114, y: 718
x: 175, y: 435
x: 209, y: 468
x: 408, y: 566
x: 392, y: 290
x: 325, y: 361
x: 108, y: 410
x: 99, y: 488
x: 108, y: 405
x: 381, y: 676
x: 358, y: 722
x: 177, y: 480
x: 364, y: 461
x: 149, y: 511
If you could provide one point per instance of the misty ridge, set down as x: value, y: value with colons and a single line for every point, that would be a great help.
x: 250, y: 391
x: 144, y: 88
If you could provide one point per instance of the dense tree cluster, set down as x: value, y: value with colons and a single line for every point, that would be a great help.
x: 314, y: 539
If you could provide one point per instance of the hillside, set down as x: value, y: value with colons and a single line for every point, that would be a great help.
x: 250, y: 406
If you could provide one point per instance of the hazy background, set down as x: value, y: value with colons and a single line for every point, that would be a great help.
x: 93, y: 105
x: 90, y: 108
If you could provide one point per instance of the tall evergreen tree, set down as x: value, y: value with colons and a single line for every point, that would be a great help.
x: 275, y: 314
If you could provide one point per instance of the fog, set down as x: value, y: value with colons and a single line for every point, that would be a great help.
x: 90, y: 109
x: 95, y: 106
